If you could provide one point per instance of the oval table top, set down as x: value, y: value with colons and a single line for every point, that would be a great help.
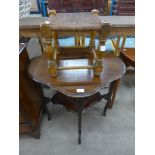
x: 80, y: 82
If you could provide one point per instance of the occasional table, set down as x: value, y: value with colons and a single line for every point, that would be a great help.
x: 77, y: 89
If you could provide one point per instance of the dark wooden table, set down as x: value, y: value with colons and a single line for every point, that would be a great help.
x: 32, y: 102
x: 77, y: 89
x: 128, y: 56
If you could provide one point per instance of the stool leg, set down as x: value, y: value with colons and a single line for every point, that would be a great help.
x: 41, y: 45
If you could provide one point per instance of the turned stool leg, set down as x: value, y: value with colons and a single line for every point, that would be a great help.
x: 56, y: 41
x: 83, y: 40
x: 41, y: 45
x: 92, y: 40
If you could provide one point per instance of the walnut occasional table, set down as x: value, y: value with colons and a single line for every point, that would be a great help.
x: 78, y: 89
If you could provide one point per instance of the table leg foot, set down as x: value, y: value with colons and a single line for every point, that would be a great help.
x: 36, y: 134
x: 79, y: 141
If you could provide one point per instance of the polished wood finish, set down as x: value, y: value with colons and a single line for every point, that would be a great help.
x: 113, y: 93
x: 30, y: 98
x: 69, y: 102
x: 68, y: 81
x: 128, y: 56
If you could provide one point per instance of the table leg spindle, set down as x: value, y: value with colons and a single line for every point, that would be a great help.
x: 46, y: 100
x: 79, y: 105
x: 109, y: 96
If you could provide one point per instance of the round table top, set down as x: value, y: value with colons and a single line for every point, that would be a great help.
x: 80, y: 82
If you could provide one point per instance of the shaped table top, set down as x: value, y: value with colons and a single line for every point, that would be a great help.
x: 69, y: 82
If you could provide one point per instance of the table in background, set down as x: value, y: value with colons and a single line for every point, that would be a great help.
x: 32, y: 102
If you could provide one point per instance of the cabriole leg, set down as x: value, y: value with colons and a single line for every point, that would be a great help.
x: 109, y: 96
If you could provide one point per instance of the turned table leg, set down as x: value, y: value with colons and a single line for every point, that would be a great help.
x: 79, y: 126
x: 108, y: 97
x: 79, y: 105
x: 115, y: 88
x: 46, y: 100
